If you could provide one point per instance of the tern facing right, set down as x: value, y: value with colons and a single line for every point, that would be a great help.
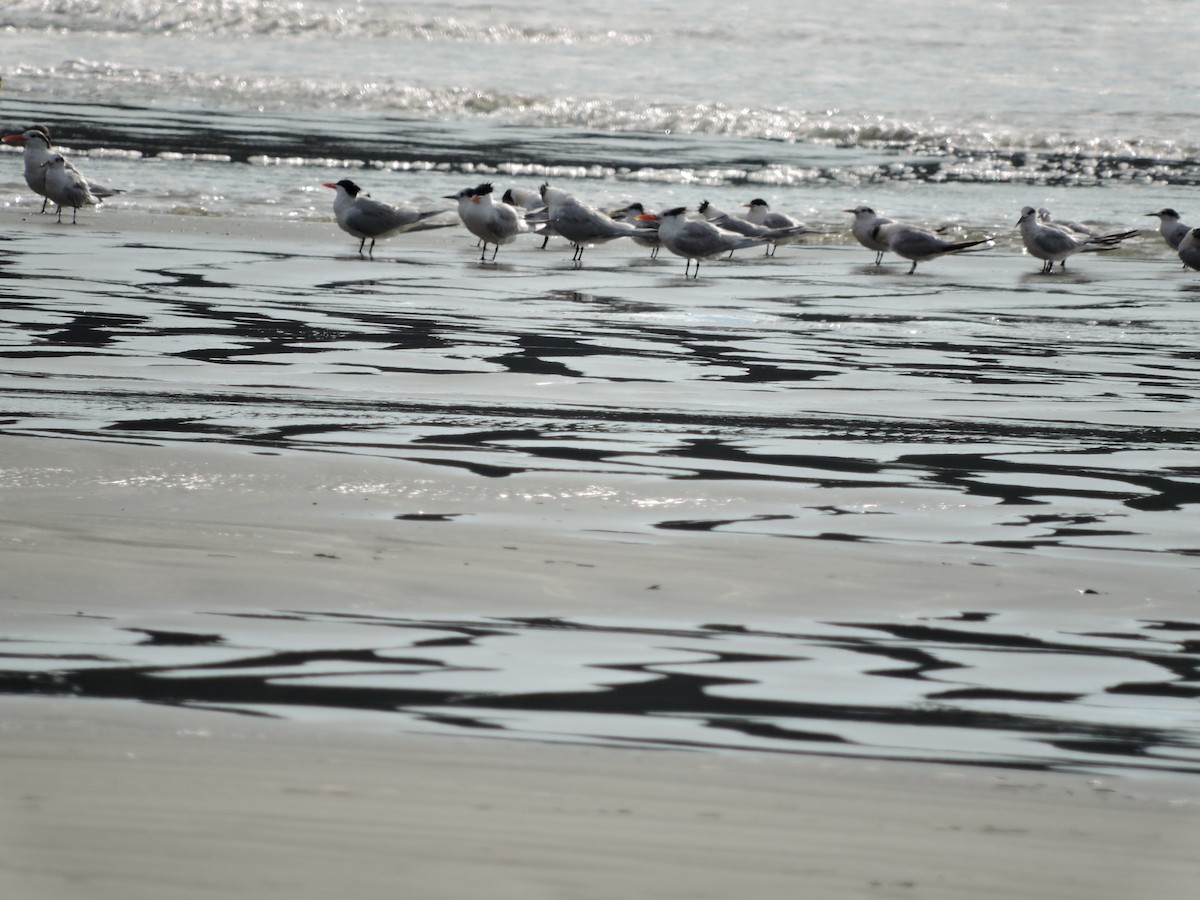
x: 67, y: 187
x: 1053, y: 244
x: 1170, y: 227
x: 865, y: 229
x: 364, y: 218
x: 1189, y: 249
x: 695, y: 240
x: 919, y: 245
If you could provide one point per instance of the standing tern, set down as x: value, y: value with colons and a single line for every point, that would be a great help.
x: 1169, y: 226
x: 865, y: 229
x: 530, y: 202
x: 38, y: 152
x: 759, y: 212
x: 919, y: 245
x: 1053, y: 244
x: 67, y: 187
x: 650, y: 238
x: 1189, y: 249
x: 582, y: 224
x: 738, y: 225
x: 1045, y: 218
x: 358, y: 215
x: 693, y: 239
x: 491, y: 222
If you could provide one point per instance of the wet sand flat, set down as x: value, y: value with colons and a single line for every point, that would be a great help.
x: 422, y: 575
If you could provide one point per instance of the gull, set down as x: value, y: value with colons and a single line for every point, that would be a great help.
x: 919, y: 245
x: 1189, y: 249
x: 358, y: 215
x: 491, y: 222
x: 865, y: 227
x: 38, y: 152
x: 582, y: 224
x: 738, y: 225
x: 695, y: 240
x: 1170, y: 227
x: 66, y: 187
x: 1053, y: 244
x: 630, y: 214
x: 759, y: 213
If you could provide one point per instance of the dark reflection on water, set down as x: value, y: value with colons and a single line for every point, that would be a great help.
x: 892, y: 395
x: 953, y: 689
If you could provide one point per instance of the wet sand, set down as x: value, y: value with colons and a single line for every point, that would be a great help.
x: 145, y: 520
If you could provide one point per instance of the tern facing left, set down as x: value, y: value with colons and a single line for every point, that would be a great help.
x: 792, y: 229
x: 695, y: 240
x: 1170, y: 227
x: 865, y: 229
x: 67, y: 187
x: 491, y: 222
x: 39, y: 150
x: 364, y: 218
x: 1053, y: 244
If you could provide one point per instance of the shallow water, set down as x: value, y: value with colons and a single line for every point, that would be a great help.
x: 811, y: 396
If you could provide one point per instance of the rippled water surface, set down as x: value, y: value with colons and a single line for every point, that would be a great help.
x: 977, y: 403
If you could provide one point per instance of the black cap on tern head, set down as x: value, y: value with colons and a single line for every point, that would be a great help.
x: 483, y: 189
x: 674, y: 211
x: 349, y: 187
x: 757, y: 201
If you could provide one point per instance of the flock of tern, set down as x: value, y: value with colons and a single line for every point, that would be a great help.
x: 554, y: 212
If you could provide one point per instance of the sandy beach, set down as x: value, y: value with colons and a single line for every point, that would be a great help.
x: 248, y: 482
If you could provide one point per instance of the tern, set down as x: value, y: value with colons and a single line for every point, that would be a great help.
x: 1169, y: 226
x: 693, y: 239
x: 66, y: 187
x: 1045, y: 218
x: 582, y: 224
x: 367, y: 219
x: 650, y: 239
x: 1053, y: 244
x: 1189, y: 249
x: 535, y: 210
x: 865, y: 227
x: 38, y: 152
x: 738, y: 225
x: 491, y: 222
x: 759, y: 213
x: 919, y: 245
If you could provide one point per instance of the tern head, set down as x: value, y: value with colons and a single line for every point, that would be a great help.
x: 1165, y: 213
x: 860, y: 211
x: 464, y: 194
x: 482, y: 190
x: 346, y: 185
x: 758, y: 202
x: 1026, y: 213
x: 1043, y: 215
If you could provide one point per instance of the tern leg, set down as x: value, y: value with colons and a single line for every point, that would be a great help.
x: 545, y: 241
x: 59, y: 212
x: 45, y: 200
x: 74, y: 213
x: 913, y: 268
x: 361, y: 244
x: 371, y: 250
x: 495, y: 251
x: 483, y: 252
x: 878, y: 257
